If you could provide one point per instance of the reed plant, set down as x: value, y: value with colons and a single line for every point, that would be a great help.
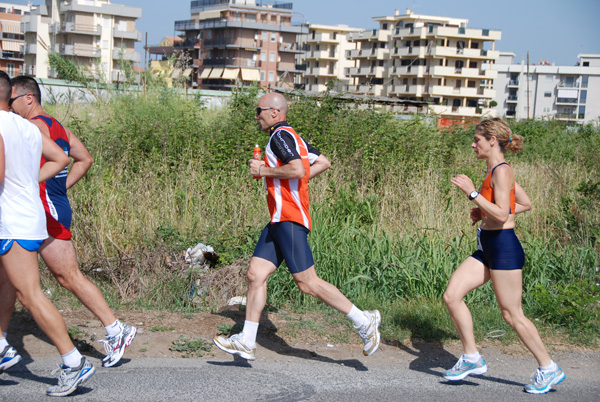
x: 388, y: 227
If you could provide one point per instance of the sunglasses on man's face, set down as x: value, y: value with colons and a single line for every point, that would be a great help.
x: 260, y: 109
x: 11, y: 100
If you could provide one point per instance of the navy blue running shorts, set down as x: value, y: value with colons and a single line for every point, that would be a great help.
x: 285, y: 241
x: 499, y: 249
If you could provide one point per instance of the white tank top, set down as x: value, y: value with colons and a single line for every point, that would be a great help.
x: 22, y: 215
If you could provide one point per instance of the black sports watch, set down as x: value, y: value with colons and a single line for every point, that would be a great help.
x: 473, y: 195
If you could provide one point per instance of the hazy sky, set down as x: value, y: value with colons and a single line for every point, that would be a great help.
x: 553, y: 30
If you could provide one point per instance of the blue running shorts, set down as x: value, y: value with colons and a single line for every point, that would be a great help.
x: 499, y: 249
x: 285, y: 241
x: 29, y: 245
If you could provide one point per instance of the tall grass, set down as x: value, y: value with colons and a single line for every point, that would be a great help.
x: 388, y: 225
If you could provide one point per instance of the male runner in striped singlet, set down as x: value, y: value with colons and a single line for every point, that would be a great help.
x: 57, y: 250
x: 288, y: 165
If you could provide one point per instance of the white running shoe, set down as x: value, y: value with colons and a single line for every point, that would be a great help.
x: 235, y: 345
x: 71, y: 377
x: 370, y: 332
x: 114, y: 346
x: 8, y: 358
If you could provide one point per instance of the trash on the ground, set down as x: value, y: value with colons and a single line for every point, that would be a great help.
x: 237, y: 300
x: 329, y: 345
x: 201, y: 254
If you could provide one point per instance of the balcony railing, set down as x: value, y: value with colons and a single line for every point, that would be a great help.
x: 563, y: 84
x: 513, y: 83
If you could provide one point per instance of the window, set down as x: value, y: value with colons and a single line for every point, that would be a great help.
x: 262, y: 75
x: 271, y: 76
x: 547, y: 94
x: 546, y: 110
x: 263, y: 56
x: 586, y: 63
x: 549, y: 78
x: 472, y: 64
x: 384, y: 26
x: 316, y: 81
x: 471, y: 83
x: 334, y: 35
x: 264, y: 36
x: 273, y: 37
x: 10, y: 69
x: 272, y: 57
x: 583, y: 97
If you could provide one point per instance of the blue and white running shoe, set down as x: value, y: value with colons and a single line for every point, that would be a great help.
x: 542, y: 382
x: 71, y: 377
x: 463, y: 368
x: 8, y: 358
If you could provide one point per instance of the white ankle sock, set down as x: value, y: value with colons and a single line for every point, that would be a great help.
x: 113, y: 329
x: 358, y: 317
x: 72, y: 359
x: 3, y: 343
x: 472, y: 358
x: 551, y: 367
x: 249, y: 332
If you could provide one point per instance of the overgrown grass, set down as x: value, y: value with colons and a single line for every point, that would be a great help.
x: 388, y: 227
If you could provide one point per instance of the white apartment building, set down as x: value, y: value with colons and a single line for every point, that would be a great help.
x: 324, y: 57
x: 544, y: 91
x: 93, y: 33
x: 427, y: 58
x: 11, y: 38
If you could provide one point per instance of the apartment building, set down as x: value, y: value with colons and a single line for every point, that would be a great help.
x: 427, y: 58
x: 11, y: 38
x: 231, y: 41
x: 325, y: 48
x: 545, y: 91
x: 95, y: 34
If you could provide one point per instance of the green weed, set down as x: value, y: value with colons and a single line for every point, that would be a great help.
x: 191, y: 347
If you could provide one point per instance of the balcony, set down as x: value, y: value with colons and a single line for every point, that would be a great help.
x: 474, y: 73
x: 406, y: 90
x: 464, y: 111
x: 30, y: 48
x: 320, y: 55
x: 566, y: 101
x: 415, y: 51
x: 412, y: 32
x: 413, y: 71
x: 440, y: 90
x: 370, y: 35
x: 472, y: 33
x: 134, y: 35
x: 320, y: 71
x: 82, y: 29
x: 79, y: 50
x: 110, y: 9
x: 513, y: 84
x: 451, y: 51
x: 225, y: 43
x: 566, y: 116
x: 373, y: 53
x: 130, y: 56
x: 290, y: 47
x: 362, y: 89
x: 191, y: 25
x: 321, y: 37
x: 564, y: 84
x: 370, y: 71
x: 511, y: 113
x: 233, y: 62
x: 512, y: 99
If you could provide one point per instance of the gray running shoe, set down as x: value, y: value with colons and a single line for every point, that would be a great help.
x: 541, y: 382
x: 71, y: 377
x: 370, y: 332
x: 8, y: 358
x: 235, y: 345
x: 463, y: 368
x: 114, y: 346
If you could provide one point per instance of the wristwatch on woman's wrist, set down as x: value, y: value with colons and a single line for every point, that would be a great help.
x: 473, y: 195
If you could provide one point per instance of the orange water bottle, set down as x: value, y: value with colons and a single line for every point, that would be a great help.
x: 256, y: 156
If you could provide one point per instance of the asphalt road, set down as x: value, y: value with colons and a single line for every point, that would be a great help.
x: 314, y: 378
